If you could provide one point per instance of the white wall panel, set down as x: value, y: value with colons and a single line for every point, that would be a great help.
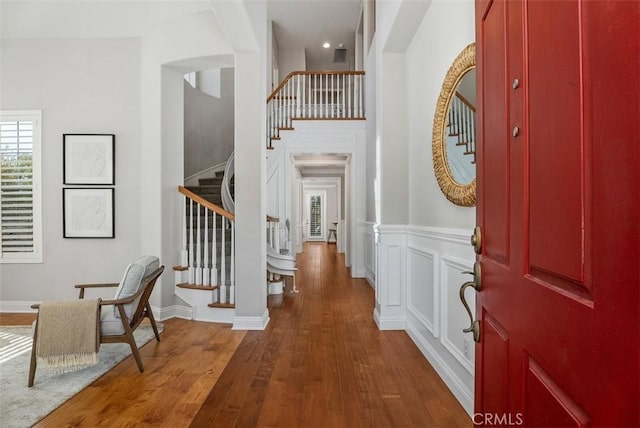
x: 454, y: 318
x: 422, y: 287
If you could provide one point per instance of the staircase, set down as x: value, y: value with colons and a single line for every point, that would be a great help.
x: 206, y: 276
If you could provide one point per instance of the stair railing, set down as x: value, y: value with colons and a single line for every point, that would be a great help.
x: 229, y: 171
x: 207, y: 265
x: 337, y: 95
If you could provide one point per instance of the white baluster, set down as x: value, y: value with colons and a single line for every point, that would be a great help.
x: 206, y: 273
x: 276, y: 237
x: 333, y: 105
x: 184, y: 254
x: 280, y: 112
x: 326, y: 96
x: 223, y: 264
x: 214, y: 252
x: 290, y: 86
x: 192, y: 273
x: 349, y: 96
x: 214, y: 258
x: 342, y: 95
x: 298, y: 97
x: 232, y: 280
x: 360, y: 84
x: 198, y: 250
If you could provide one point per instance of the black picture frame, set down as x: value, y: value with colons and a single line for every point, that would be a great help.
x: 88, y: 212
x: 89, y: 159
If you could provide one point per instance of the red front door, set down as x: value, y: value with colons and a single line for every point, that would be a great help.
x: 559, y: 211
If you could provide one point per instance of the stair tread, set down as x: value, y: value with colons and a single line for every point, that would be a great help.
x: 180, y: 268
x: 221, y: 305
x: 197, y: 287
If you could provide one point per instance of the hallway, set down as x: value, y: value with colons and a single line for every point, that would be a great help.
x: 322, y: 362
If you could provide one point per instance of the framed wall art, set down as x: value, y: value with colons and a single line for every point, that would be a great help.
x: 88, y: 212
x: 89, y: 159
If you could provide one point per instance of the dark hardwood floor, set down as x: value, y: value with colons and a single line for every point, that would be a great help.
x: 321, y: 362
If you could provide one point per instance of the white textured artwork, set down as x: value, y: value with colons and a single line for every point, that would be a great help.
x: 88, y: 159
x: 88, y: 213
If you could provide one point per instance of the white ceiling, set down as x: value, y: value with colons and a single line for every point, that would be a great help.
x: 309, y: 23
x: 89, y: 18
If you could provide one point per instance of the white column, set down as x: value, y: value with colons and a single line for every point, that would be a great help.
x: 250, y: 180
x: 390, y: 306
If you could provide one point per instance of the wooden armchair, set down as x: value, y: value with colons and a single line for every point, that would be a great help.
x: 120, y: 316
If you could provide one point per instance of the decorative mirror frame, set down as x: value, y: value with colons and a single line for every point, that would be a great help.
x: 460, y: 194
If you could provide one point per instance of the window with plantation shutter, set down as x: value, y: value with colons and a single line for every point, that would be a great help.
x: 20, y: 187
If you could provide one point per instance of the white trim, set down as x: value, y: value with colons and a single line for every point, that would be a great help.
x: 17, y: 307
x: 453, y: 382
x: 251, y: 323
x: 457, y: 236
x: 175, y: 311
x: 192, y: 180
x: 388, y: 323
x: 387, y: 229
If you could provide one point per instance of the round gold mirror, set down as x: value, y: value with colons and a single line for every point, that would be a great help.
x: 454, y: 136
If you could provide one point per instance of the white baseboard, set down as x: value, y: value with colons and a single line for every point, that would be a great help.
x: 455, y: 385
x: 388, y: 323
x: 371, y: 279
x: 251, y: 323
x: 162, y: 314
x: 16, y: 307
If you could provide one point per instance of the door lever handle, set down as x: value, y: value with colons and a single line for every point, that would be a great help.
x: 476, y: 284
x: 475, y: 324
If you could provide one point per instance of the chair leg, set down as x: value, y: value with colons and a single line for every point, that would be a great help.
x: 130, y: 339
x: 136, y: 354
x: 153, y: 322
x: 32, y: 365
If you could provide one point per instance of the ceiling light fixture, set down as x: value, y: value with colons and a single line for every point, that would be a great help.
x: 326, y: 45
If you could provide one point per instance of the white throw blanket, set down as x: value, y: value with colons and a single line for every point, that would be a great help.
x: 68, y: 335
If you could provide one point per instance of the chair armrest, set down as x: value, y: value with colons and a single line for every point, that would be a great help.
x: 111, y: 284
x: 83, y: 286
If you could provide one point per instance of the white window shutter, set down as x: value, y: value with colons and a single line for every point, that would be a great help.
x: 20, y: 201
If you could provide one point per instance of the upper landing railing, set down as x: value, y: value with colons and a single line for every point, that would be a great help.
x: 319, y: 95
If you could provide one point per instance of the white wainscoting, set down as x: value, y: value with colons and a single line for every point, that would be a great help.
x: 419, y: 274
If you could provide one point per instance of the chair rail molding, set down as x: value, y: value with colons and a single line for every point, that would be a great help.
x: 390, y: 290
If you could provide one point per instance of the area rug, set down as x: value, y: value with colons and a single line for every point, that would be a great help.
x: 21, y: 406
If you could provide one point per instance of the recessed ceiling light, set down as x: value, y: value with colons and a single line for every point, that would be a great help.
x: 326, y: 45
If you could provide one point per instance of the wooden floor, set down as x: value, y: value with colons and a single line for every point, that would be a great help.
x: 321, y: 362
